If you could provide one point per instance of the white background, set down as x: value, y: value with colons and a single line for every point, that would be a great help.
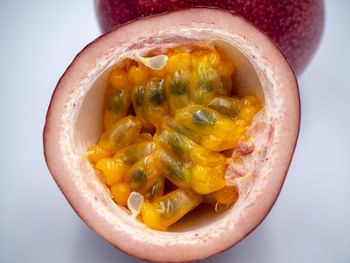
x: 310, y: 221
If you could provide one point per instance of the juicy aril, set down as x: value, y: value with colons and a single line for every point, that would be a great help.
x: 296, y: 26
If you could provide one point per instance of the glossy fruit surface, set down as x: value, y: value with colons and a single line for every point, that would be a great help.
x: 296, y: 26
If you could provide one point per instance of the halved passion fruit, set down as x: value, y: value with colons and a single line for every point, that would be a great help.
x: 171, y: 135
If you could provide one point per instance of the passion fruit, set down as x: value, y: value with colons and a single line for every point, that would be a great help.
x: 258, y: 156
x: 296, y: 26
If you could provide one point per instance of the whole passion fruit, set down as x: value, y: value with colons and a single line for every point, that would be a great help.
x: 256, y: 161
x: 296, y: 26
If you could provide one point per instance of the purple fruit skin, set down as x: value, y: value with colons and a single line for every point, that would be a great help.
x: 296, y: 26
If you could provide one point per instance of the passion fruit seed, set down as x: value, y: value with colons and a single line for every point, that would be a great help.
x: 155, y: 92
x: 137, y: 178
x: 116, y: 101
x: 115, y: 168
x: 183, y: 130
x: 117, y: 106
x: 156, y: 190
x: 205, y: 81
x: 204, y: 118
x: 143, y: 174
x: 176, y: 143
x: 186, y: 96
x: 135, y: 152
x: 156, y: 105
x: 121, y: 134
x: 226, y: 106
x: 184, y: 148
x: 139, y: 91
x: 225, y: 86
x: 138, y: 101
x: 176, y: 171
x: 178, y: 83
x: 168, y: 209
x: 178, y: 90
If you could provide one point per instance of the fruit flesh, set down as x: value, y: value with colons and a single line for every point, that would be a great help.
x: 195, y: 119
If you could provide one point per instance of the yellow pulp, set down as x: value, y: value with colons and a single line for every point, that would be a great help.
x: 181, y: 120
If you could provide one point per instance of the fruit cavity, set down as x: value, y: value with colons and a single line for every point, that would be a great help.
x: 190, y: 108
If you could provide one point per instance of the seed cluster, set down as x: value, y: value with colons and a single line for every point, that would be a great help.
x: 169, y: 145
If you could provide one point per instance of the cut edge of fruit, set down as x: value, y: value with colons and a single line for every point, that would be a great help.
x: 92, y: 190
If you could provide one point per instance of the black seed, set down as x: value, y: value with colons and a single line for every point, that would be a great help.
x: 206, y: 79
x: 226, y: 107
x: 138, y: 177
x: 176, y: 143
x: 175, y: 171
x: 206, y: 85
x: 156, y: 93
x: 116, y: 101
x: 184, y: 131
x: 204, y: 117
x: 138, y: 97
x: 131, y: 156
x: 118, y: 135
x: 134, y: 154
x: 169, y: 206
x: 155, y: 190
x: 178, y: 84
